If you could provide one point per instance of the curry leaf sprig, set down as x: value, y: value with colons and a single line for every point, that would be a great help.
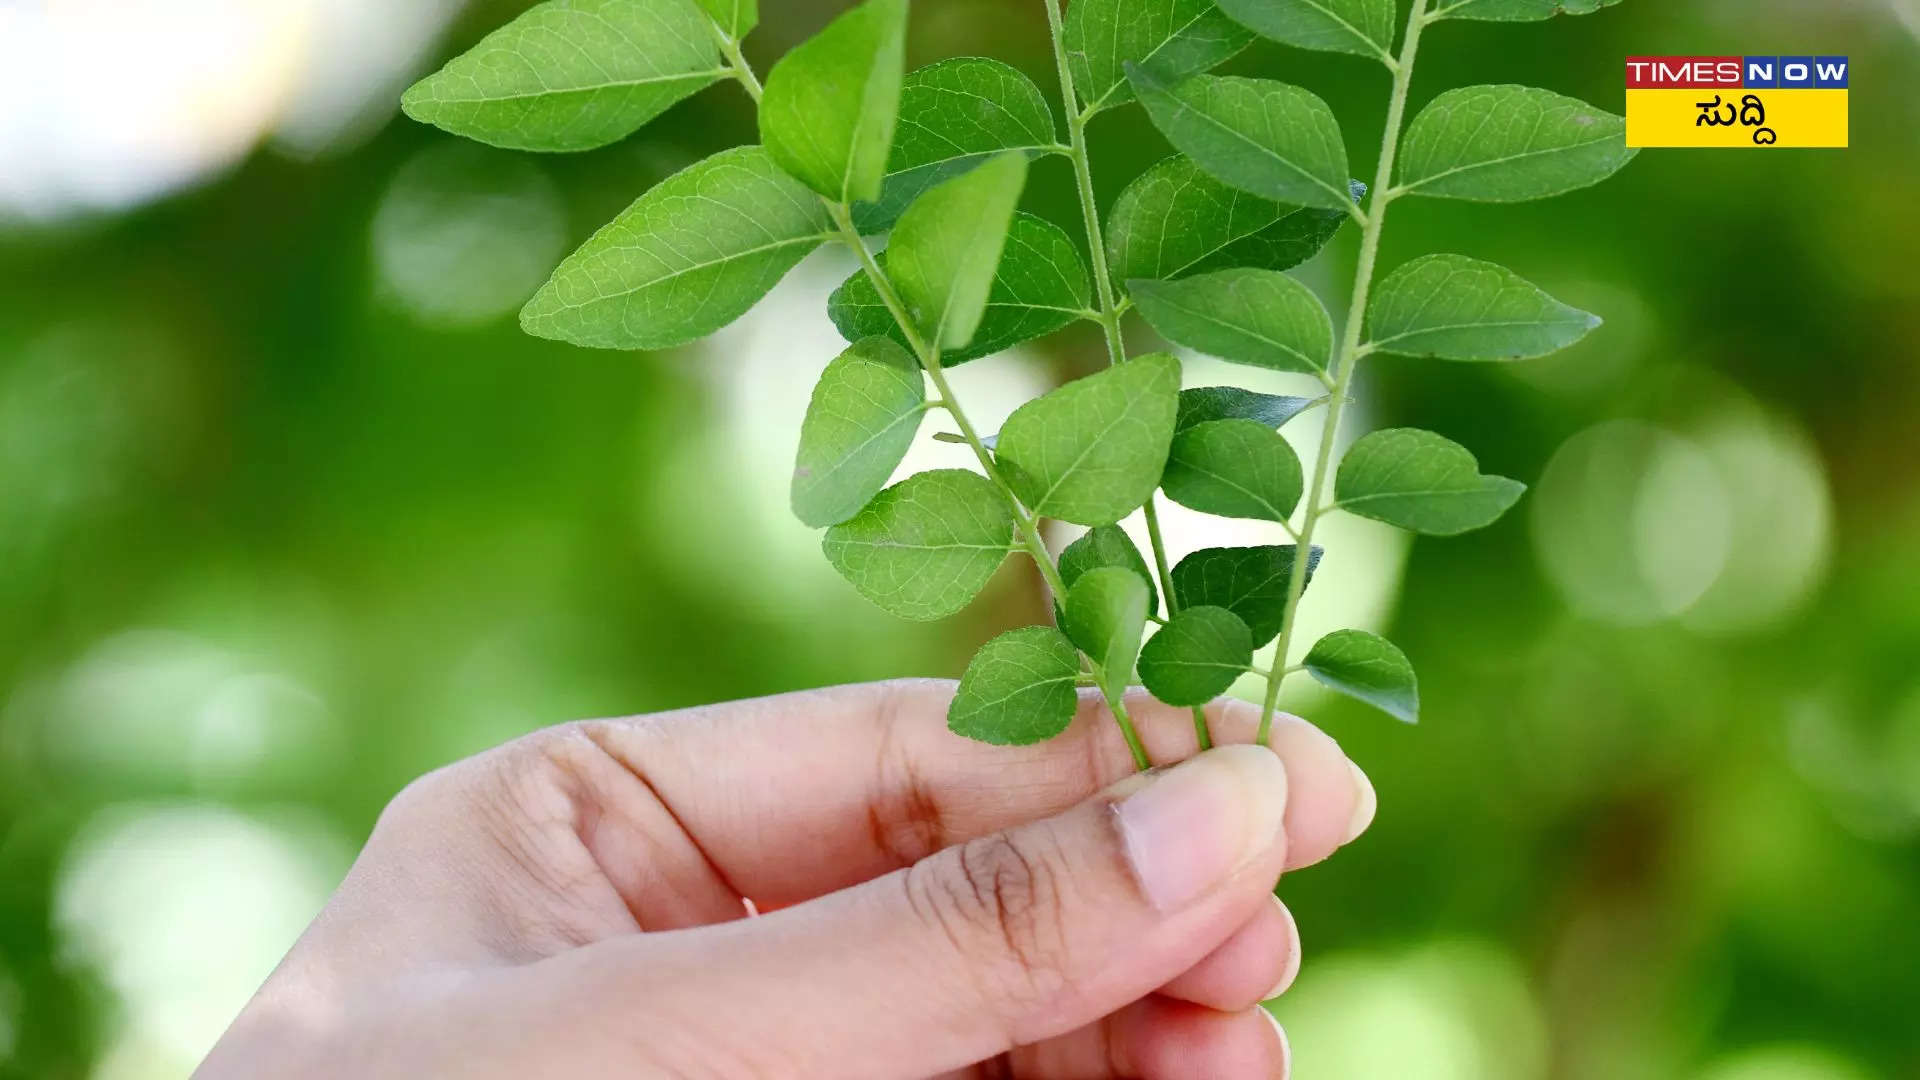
x: 852, y: 146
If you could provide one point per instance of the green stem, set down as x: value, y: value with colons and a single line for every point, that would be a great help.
x: 1140, y: 758
x: 743, y: 71
x: 1026, y: 525
x: 1350, y: 351
x: 1108, y: 315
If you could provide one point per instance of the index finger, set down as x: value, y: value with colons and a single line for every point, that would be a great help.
x: 797, y: 795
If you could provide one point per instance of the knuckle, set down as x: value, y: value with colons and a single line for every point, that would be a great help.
x: 999, y: 900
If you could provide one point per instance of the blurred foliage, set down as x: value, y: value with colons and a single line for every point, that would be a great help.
x: 291, y: 512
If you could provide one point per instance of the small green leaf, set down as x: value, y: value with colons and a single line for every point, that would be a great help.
x: 687, y: 258
x: 1516, y: 10
x: 1107, y: 545
x: 1251, y: 582
x: 1264, y: 137
x: 1018, y: 690
x: 1092, y: 451
x: 735, y: 18
x: 955, y: 115
x: 1204, y: 403
x: 925, y: 547
x: 828, y: 112
x: 1361, y: 27
x: 1259, y: 317
x: 1197, y: 656
x: 1175, y: 220
x: 863, y: 416
x: 1106, y: 614
x: 1040, y: 286
x: 1234, y: 468
x: 946, y: 250
x: 1176, y: 38
x: 1368, y: 668
x: 1422, y: 482
x: 1510, y: 144
x: 571, y: 74
x: 1456, y: 308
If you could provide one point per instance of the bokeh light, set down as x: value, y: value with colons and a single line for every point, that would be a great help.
x: 183, y: 909
x: 1632, y: 522
x: 1786, y: 1063
x: 156, y: 708
x: 105, y: 104
x: 465, y: 234
x: 1456, y: 1010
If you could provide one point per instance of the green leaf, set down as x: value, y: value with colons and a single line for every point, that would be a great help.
x: 863, y: 416
x: 1422, y: 482
x: 828, y: 111
x: 1040, y: 286
x: 735, y: 18
x: 1251, y: 582
x: 955, y: 115
x: 1361, y: 27
x: 1105, y: 546
x: 1018, y: 690
x: 571, y: 74
x: 1106, y: 614
x: 1204, y: 403
x: 1197, y: 656
x: 1259, y: 317
x: 946, y: 250
x: 1510, y: 144
x: 1175, y: 220
x: 1516, y: 10
x: 1368, y: 668
x: 1456, y: 308
x: 925, y: 547
x: 1234, y: 468
x: 1264, y: 137
x: 1092, y: 451
x: 1175, y: 38
x: 687, y: 258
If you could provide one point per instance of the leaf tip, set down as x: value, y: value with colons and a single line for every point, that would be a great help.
x: 415, y: 102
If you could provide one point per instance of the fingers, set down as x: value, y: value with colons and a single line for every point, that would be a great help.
x: 1172, y: 1040
x: 1256, y: 964
x: 1010, y: 939
x: 1158, y: 1038
x: 795, y: 796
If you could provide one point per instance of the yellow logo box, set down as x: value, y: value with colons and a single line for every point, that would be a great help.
x: 1738, y: 118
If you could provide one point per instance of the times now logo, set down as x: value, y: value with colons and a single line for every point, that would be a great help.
x: 1739, y: 72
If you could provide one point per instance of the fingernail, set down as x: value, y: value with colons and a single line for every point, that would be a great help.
x: 1286, y: 1048
x: 1193, y: 826
x: 1291, y: 970
x: 1365, y: 804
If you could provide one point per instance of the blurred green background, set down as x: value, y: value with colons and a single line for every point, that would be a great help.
x: 291, y: 512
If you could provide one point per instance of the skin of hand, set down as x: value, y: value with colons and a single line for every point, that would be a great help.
x: 571, y: 904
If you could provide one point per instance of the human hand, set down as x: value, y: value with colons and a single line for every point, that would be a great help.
x: 571, y: 904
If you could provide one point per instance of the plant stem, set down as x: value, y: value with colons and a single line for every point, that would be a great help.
x: 1025, y: 524
x: 742, y: 70
x: 1350, y: 351
x: 929, y: 357
x: 1108, y: 315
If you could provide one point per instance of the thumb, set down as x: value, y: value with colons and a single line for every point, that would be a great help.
x: 1002, y: 941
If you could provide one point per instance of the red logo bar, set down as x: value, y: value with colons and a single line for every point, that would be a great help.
x: 1684, y: 72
